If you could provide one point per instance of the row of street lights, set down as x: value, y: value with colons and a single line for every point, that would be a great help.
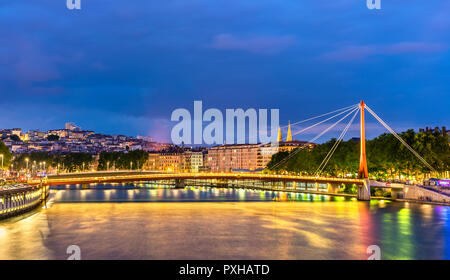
x: 131, y: 165
x: 43, y: 163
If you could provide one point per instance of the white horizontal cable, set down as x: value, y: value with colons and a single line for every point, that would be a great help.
x: 326, y: 114
x: 336, y: 144
x: 332, y: 117
x: 286, y: 158
x: 400, y: 139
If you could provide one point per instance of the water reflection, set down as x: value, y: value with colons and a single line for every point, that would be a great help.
x: 228, y: 224
x: 155, y: 193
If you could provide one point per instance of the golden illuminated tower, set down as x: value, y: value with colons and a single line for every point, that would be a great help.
x: 280, y: 138
x: 289, y: 134
x: 363, y: 173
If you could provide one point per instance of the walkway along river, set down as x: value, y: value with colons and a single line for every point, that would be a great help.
x: 20, y: 198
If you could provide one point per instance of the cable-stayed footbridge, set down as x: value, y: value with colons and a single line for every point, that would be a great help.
x: 311, y: 184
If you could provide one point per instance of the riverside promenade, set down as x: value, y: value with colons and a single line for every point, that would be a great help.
x: 19, y: 198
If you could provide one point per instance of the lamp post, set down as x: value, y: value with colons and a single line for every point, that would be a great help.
x: 107, y: 166
x: 26, y: 161
x: 1, y: 155
x: 131, y: 163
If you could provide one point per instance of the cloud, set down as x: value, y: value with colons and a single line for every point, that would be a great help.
x: 413, y: 47
x: 349, y: 53
x: 256, y: 44
x: 358, y: 53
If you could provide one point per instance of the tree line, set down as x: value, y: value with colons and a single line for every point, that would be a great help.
x: 120, y: 160
x: 72, y: 162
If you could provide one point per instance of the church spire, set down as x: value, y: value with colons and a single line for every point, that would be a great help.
x: 289, y: 134
x: 280, y: 138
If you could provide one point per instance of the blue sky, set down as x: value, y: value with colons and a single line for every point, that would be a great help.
x: 124, y: 66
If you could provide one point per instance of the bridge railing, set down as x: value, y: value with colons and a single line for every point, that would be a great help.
x: 21, y: 198
x: 97, y: 177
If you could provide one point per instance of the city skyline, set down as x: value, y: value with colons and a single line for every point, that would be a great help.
x: 286, y: 58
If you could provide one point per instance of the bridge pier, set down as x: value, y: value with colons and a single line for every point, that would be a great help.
x: 397, y: 193
x: 179, y: 184
x: 333, y: 188
x: 364, y: 190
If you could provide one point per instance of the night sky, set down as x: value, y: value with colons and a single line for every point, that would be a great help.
x: 122, y: 67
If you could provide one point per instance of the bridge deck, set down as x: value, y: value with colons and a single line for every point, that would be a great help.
x: 110, y: 177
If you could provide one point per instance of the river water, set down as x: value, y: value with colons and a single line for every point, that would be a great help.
x: 149, y: 222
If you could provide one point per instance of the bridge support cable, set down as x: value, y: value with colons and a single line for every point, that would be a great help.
x: 333, y: 125
x: 399, y: 138
x: 332, y: 117
x: 324, y: 163
x: 323, y: 115
x: 315, y: 138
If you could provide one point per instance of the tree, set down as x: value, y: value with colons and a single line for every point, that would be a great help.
x: 35, y: 160
x: 7, y: 156
x: 122, y: 160
x: 77, y: 161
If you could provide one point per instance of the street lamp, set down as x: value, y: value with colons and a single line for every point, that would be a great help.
x: 131, y: 163
x: 26, y: 160
x: 1, y: 155
x: 107, y: 166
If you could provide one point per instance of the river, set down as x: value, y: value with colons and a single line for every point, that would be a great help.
x: 145, y: 221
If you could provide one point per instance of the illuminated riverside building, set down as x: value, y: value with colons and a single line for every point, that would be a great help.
x: 237, y: 156
x: 152, y: 162
x: 185, y: 161
x: 171, y: 162
x: 193, y: 161
x: 251, y: 156
x: 248, y: 156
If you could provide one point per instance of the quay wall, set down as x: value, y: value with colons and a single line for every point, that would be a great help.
x: 22, y: 199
